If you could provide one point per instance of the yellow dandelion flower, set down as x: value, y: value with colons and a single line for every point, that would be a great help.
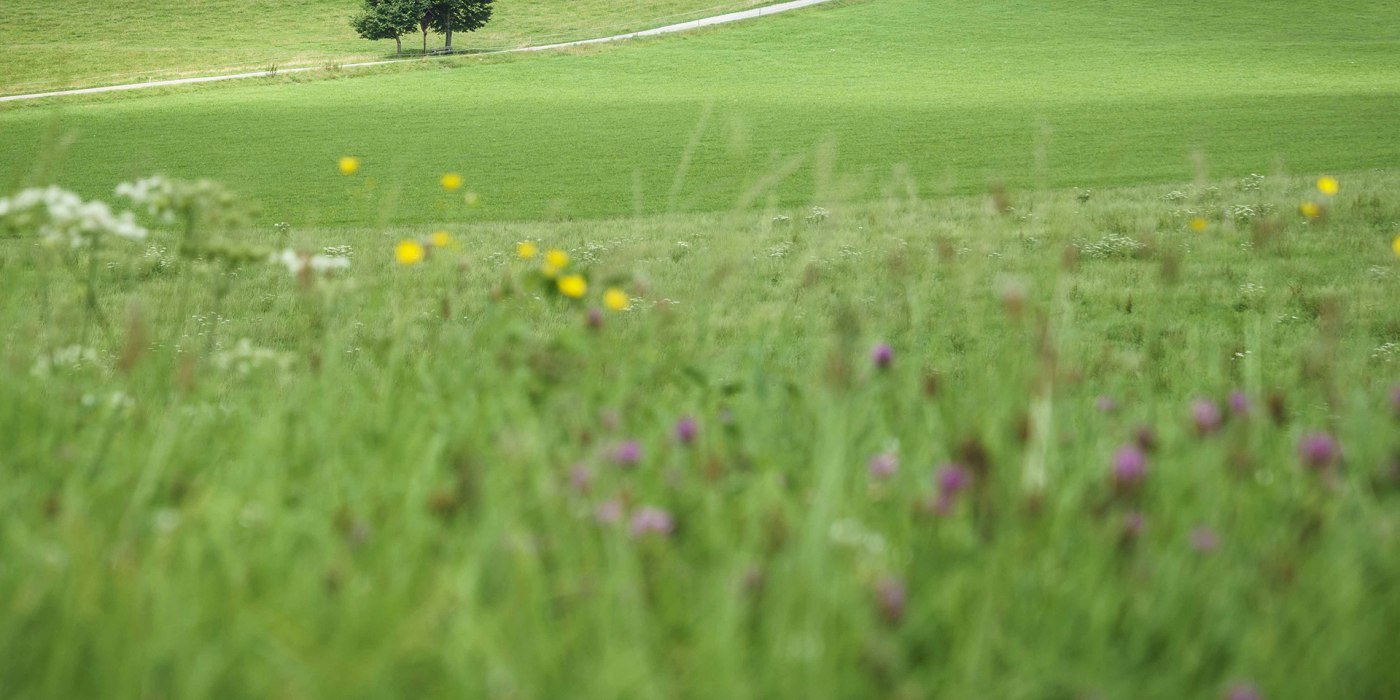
x: 1328, y: 185
x: 573, y: 286
x: 1395, y: 246
x: 1199, y: 224
x: 1310, y: 209
x: 451, y: 182
x: 472, y: 199
x: 441, y: 239
x: 409, y: 252
x: 349, y: 165
x: 556, y: 258
x: 616, y: 299
x: 527, y: 250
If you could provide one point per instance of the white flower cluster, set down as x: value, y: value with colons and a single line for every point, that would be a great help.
x: 156, y: 193
x: 72, y: 357
x: 299, y: 263
x: 245, y: 357
x: 1110, y: 246
x: 63, y: 217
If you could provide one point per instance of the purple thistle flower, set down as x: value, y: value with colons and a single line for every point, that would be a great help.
x: 1129, y: 467
x: 951, y: 480
x: 580, y: 478
x: 608, y: 512
x: 882, y: 355
x: 1243, y: 691
x: 595, y: 318
x: 1206, y: 415
x: 649, y: 520
x: 1106, y: 404
x: 1204, y: 540
x: 1318, y: 450
x: 1239, y: 403
x: 883, y: 465
x: 890, y: 596
x: 627, y: 453
x: 687, y: 430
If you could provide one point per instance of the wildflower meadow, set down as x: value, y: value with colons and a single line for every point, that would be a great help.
x: 1094, y: 397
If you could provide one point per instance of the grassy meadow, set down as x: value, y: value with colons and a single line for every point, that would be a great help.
x: 831, y: 101
x: 891, y: 348
x: 435, y: 478
x: 53, y: 45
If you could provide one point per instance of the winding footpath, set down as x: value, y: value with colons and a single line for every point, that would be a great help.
x: 668, y: 29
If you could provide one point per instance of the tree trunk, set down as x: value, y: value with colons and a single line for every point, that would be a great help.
x: 398, y: 46
x: 425, y: 41
x: 449, y: 32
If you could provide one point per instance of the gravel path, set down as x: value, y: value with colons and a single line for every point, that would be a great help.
x: 668, y: 29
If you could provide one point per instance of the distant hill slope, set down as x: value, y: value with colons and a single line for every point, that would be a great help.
x: 843, y: 102
x: 54, y: 44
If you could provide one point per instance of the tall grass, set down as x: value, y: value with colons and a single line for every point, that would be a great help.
x: 422, y: 479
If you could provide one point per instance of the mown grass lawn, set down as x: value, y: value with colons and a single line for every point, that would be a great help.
x: 50, y: 44
x: 437, y: 479
x: 840, y: 102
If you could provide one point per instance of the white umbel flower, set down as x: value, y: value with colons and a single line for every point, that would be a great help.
x: 299, y: 263
x: 62, y: 217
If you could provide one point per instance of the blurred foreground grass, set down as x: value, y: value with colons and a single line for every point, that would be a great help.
x: 434, y: 480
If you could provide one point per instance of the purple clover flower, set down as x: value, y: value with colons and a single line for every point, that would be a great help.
x: 627, y: 453
x: 687, y: 429
x: 1129, y: 467
x: 1318, y: 450
x: 1204, y: 540
x: 651, y: 520
x: 1239, y: 403
x: 883, y: 466
x: 580, y: 478
x: 608, y: 512
x: 891, y: 596
x: 882, y: 355
x: 1206, y: 415
x: 952, y: 479
x: 1106, y: 404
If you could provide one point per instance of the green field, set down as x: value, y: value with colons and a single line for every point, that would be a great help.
x: 826, y: 103
x: 969, y: 350
x: 363, y: 487
x: 51, y: 44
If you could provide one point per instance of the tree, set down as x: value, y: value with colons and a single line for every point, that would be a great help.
x: 390, y: 19
x: 447, y: 16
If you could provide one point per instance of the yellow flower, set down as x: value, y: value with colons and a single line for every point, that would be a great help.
x: 472, y: 199
x: 349, y: 165
x: 441, y: 239
x: 573, y: 286
x: 1328, y: 185
x: 527, y: 250
x: 1310, y: 210
x: 1199, y: 224
x: 451, y: 182
x: 556, y: 259
x: 1395, y: 246
x: 616, y: 299
x: 409, y: 252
